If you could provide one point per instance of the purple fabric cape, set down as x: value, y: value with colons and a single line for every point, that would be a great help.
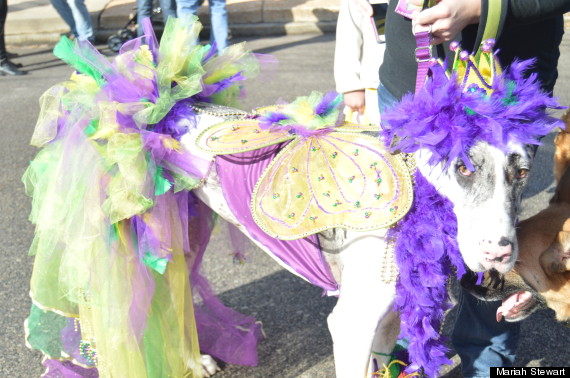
x: 238, y: 175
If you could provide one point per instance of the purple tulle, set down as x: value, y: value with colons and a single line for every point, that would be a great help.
x: 222, y: 332
x: 303, y: 256
x: 426, y: 252
x: 66, y: 369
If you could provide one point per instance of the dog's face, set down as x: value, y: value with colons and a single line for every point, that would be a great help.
x: 541, y: 276
x: 486, y: 201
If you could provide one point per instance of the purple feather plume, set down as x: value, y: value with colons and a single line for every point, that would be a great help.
x: 448, y: 121
x: 329, y: 102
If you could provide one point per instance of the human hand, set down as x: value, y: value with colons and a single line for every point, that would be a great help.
x: 447, y: 18
x: 355, y: 100
x: 364, y: 7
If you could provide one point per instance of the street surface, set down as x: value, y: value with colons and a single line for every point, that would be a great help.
x: 292, y: 311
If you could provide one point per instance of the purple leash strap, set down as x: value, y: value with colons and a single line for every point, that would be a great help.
x: 423, y: 56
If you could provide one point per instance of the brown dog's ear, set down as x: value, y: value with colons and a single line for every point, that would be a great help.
x: 562, y: 151
x: 562, y: 193
x: 556, y: 259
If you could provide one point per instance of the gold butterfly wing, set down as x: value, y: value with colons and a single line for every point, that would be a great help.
x: 236, y: 136
x: 325, y: 181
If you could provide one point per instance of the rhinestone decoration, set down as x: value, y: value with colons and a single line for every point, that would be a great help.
x: 334, y: 155
x: 88, y: 352
x: 351, y: 179
x: 275, y: 195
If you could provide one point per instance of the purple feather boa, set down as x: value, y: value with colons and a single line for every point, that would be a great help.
x: 422, y: 298
x: 448, y: 121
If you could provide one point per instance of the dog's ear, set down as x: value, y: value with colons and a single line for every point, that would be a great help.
x: 562, y: 193
x: 556, y: 259
x: 562, y: 151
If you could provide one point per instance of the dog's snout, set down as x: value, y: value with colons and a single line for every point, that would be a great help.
x: 500, y: 252
x: 505, y: 242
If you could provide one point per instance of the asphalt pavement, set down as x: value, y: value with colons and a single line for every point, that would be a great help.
x: 292, y: 311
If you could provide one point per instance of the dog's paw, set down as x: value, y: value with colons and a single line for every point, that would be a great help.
x: 209, y: 365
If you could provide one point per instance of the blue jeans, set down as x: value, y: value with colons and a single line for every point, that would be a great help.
x: 480, y: 340
x: 76, y: 15
x: 218, y: 18
x: 477, y: 337
x: 144, y: 9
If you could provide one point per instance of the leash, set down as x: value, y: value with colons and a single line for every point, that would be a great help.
x: 490, y: 26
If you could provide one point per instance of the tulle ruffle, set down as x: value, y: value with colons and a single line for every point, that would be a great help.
x: 110, y: 190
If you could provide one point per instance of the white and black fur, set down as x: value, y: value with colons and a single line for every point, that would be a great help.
x: 486, y: 204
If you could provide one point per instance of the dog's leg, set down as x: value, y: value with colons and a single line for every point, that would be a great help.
x: 385, y: 340
x: 363, y: 301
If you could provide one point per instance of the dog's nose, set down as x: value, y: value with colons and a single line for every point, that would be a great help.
x: 501, y: 252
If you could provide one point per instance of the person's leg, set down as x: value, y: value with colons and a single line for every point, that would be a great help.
x: 186, y: 7
x: 6, y: 67
x: 385, y: 99
x: 82, y: 20
x: 219, y: 23
x: 65, y: 13
x: 3, y: 14
x: 144, y: 10
x: 480, y: 340
x: 168, y: 8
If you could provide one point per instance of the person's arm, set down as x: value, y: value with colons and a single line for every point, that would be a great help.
x: 529, y: 11
x: 449, y: 17
x: 348, y: 55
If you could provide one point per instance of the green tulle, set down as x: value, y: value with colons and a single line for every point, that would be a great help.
x: 95, y: 181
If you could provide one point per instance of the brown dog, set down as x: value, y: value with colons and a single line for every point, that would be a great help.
x: 541, y: 276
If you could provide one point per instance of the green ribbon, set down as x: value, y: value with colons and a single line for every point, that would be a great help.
x: 91, y: 128
x: 157, y: 263
x: 161, y: 184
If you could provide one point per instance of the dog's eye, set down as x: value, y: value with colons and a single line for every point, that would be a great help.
x: 522, y: 173
x: 463, y: 170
